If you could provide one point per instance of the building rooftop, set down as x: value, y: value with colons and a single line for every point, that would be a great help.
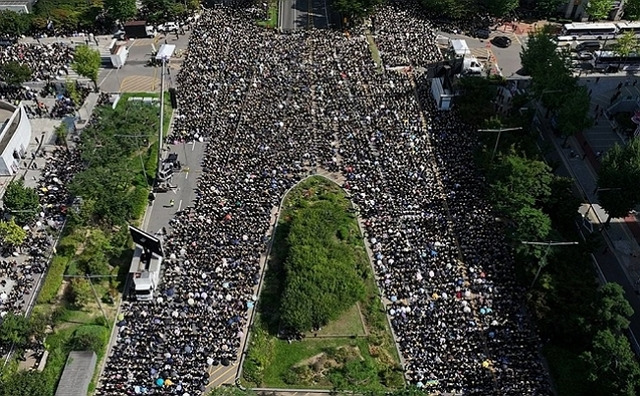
x: 77, y: 374
x: 5, y: 114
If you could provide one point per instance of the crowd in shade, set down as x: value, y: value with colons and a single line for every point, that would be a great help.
x: 19, y: 275
x: 273, y: 108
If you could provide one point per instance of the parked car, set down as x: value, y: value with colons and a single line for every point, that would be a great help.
x: 482, y: 33
x: 585, y: 56
x: 168, y: 27
x: 501, y: 41
x: 588, y: 46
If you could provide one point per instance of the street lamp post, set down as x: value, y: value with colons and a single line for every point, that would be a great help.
x: 164, y: 54
x: 499, y: 131
x: 543, y: 259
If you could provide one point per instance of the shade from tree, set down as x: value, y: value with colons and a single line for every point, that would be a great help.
x: 21, y: 202
x: 618, y: 189
x: 573, y: 113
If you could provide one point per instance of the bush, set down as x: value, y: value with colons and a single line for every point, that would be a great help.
x: 90, y: 338
x: 53, y: 281
x: 139, y: 201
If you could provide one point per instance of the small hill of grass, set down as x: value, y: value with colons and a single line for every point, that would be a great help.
x: 320, y: 297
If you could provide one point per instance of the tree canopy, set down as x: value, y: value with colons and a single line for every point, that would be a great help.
x: 13, y: 24
x: 632, y: 10
x: 599, y: 9
x: 355, y: 8
x: 15, y: 73
x: 321, y: 275
x: 618, y: 190
x: 517, y: 187
x: 121, y: 10
x: 612, y: 367
x: 86, y: 62
x: 11, y: 233
x: 613, y: 310
x: 21, y: 202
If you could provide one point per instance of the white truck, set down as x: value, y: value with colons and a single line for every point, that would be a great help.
x: 470, y: 64
x: 145, y: 270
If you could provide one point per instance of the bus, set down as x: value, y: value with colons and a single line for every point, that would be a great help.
x: 612, y: 61
x: 588, y: 31
x: 624, y: 27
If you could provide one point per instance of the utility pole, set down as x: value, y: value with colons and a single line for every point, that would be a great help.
x: 543, y: 259
x: 499, y: 131
x: 160, y: 130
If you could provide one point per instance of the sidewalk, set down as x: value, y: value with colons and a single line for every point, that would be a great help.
x: 619, y: 260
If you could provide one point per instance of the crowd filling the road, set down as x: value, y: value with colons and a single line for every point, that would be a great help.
x: 274, y: 108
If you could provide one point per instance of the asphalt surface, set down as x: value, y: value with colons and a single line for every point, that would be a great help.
x: 185, y: 182
x: 303, y: 14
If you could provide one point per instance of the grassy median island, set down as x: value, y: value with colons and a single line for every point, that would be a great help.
x: 320, y: 322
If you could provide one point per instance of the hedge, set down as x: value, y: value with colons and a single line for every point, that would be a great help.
x: 53, y: 280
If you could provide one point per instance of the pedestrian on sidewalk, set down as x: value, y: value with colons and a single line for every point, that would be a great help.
x: 619, y: 86
x: 597, y: 79
x: 172, y: 203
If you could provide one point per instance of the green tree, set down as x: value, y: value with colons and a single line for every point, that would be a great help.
x: 551, y: 77
x: 21, y: 202
x: 322, y: 280
x: 625, y: 45
x: 13, y: 24
x: 474, y: 104
x: 499, y: 8
x: 90, y: 338
x: 450, y: 8
x: 618, y: 190
x: 573, y: 114
x: 81, y: 292
x: 539, y: 51
x: 355, y: 8
x: 11, y: 233
x: 27, y: 383
x: 121, y: 10
x: 14, y: 330
x: 613, y: 310
x: 599, y: 9
x: 612, y: 367
x: 158, y: 10
x: 14, y: 73
x: 548, y: 7
x: 632, y: 10
x: 86, y: 62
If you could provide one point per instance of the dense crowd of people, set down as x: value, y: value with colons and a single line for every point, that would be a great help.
x: 274, y: 108
x: 46, y: 61
x: 19, y: 273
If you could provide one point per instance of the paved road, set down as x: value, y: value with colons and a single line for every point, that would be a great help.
x: 621, y: 260
x: 303, y: 14
x: 190, y: 155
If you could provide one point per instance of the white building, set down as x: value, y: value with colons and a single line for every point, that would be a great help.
x: 15, y: 135
x: 17, y: 5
